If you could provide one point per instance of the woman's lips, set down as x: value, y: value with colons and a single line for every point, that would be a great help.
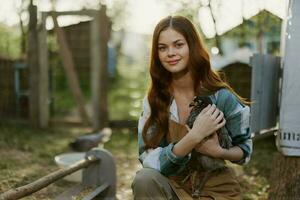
x: 173, y: 62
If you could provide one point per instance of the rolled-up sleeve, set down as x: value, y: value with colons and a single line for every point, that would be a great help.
x: 161, y: 158
x: 237, y: 118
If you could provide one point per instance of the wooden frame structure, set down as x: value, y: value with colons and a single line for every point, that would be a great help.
x: 38, y: 60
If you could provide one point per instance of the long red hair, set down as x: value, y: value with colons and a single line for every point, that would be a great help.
x: 206, y: 80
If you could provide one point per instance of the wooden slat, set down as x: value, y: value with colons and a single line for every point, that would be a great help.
x: 100, y: 32
x: 33, y: 67
x: 88, y: 12
x: 44, y: 76
x: 123, y: 123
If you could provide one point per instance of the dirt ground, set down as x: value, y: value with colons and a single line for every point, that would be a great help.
x: 126, y: 169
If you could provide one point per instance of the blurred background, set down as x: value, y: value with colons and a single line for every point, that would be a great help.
x: 30, y: 136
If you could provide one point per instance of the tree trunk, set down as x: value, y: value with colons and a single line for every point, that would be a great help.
x: 285, y: 178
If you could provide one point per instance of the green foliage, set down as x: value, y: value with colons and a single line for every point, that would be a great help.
x: 128, y: 89
x: 265, y: 25
x: 9, y: 42
x: 264, y: 21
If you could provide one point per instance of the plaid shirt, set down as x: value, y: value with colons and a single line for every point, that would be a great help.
x: 164, y: 160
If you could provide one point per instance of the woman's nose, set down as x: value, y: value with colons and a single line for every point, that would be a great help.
x: 171, y: 52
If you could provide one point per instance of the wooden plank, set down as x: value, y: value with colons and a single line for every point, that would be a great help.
x: 95, y: 71
x: 123, y: 123
x: 69, y: 67
x: 100, y: 32
x: 37, y: 185
x: 33, y: 63
x: 105, y: 29
x: 44, y: 76
x: 88, y: 12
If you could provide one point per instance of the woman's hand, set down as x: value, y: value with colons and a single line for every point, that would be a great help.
x: 207, y: 122
x: 210, y: 147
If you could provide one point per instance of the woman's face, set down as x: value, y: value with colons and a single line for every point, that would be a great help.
x: 173, y: 51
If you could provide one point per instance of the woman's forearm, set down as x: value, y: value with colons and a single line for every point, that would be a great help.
x: 233, y: 154
x: 186, y: 144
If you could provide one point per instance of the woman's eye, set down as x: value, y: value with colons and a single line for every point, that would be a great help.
x: 178, y: 45
x: 161, y: 48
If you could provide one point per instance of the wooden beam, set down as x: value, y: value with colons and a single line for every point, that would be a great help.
x: 44, y: 75
x: 95, y: 71
x: 69, y: 67
x: 100, y: 32
x: 33, y: 63
x: 123, y: 124
x: 87, y: 12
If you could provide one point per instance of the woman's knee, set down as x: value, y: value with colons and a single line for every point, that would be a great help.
x: 145, y: 178
x: 151, y: 184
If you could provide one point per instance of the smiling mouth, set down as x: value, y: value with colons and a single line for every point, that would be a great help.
x: 173, y: 62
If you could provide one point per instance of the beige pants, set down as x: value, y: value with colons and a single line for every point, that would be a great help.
x: 151, y: 184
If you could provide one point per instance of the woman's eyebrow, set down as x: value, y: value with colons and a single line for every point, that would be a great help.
x: 179, y: 40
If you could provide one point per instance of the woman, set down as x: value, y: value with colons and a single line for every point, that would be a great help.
x: 180, y: 70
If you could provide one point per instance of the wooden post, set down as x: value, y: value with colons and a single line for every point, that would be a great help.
x: 100, y: 32
x: 44, y: 75
x: 70, y: 70
x: 33, y: 63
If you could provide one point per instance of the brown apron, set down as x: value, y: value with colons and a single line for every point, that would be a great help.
x: 222, y: 185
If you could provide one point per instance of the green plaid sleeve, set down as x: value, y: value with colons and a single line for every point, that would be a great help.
x: 237, y: 122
